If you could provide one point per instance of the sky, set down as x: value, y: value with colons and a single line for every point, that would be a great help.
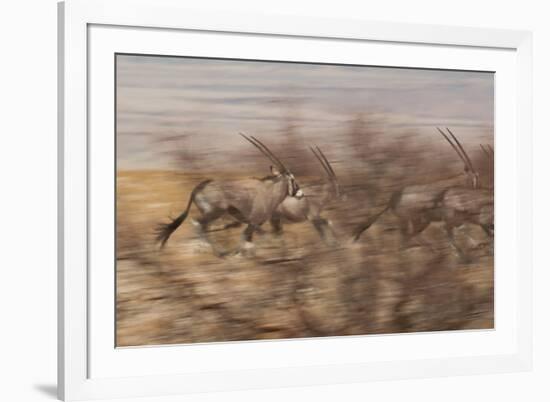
x: 202, y: 105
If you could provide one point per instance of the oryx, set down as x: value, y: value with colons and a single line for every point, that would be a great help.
x: 250, y: 201
x: 461, y: 205
x: 294, y: 210
x: 418, y: 205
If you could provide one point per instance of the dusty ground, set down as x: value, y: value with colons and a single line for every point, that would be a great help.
x: 295, y: 286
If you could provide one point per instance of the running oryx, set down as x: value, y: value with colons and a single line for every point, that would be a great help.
x: 474, y: 205
x: 250, y: 201
x: 293, y: 210
x: 418, y: 205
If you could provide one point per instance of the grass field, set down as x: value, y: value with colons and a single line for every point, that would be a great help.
x: 295, y: 285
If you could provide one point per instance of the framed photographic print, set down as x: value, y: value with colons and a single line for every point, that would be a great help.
x: 261, y: 201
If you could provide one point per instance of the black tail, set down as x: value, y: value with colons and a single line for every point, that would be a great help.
x: 393, y: 201
x: 165, y: 230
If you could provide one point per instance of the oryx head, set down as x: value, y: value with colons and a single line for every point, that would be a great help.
x: 328, y: 169
x: 278, y: 170
x: 469, y: 170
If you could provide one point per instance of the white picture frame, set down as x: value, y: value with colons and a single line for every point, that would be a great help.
x: 85, y: 27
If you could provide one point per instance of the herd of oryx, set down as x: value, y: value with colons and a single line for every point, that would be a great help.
x: 278, y: 198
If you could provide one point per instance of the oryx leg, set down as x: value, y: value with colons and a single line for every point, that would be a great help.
x: 247, y: 247
x: 240, y: 219
x: 450, y: 228
x: 231, y: 225
x: 322, y: 226
x: 411, y: 230
x: 489, y: 230
x: 202, y: 224
x: 249, y: 233
x: 276, y: 224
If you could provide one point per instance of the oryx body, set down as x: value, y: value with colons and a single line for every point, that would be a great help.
x: 309, y: 208
x: 414, y: 207
x: 460, y: 205
x: 467, y: 205
x: 419, y: 205
x: 250, y: 201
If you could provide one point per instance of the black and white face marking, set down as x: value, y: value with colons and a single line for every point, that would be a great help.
x: 475, y: 180
x: 471, y: 177
x: 294, y: 189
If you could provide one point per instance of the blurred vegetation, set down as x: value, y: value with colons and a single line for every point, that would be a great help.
x: 296, y: 285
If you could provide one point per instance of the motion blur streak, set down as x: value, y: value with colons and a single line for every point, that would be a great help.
x: 352, y: 137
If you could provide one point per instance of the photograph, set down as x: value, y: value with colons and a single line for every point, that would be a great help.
x: 273, y: 200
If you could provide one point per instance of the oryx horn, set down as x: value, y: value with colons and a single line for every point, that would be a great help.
x: 266, y: 151
x: 457, y: 146
x: 323, y: 161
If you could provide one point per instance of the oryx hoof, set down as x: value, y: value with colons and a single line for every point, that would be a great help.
x: 226, y: 253
x: 247, y: 249
x: 200, y: 246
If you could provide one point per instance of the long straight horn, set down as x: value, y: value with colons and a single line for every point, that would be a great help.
x: 278, y: 161
x: 267, y: 154
x: 326, y: 162
x: 325, y: 168
x: 259, y: 148
x: 454, y: 147
x: 462, y: 149
x: 485, y: 151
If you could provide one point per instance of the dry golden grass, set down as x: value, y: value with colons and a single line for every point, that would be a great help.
x: 295, y: 286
